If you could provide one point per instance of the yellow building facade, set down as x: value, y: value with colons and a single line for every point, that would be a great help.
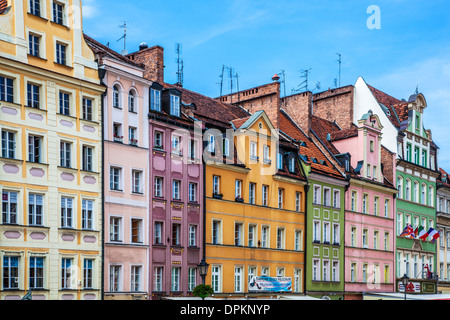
x: 255, y: 220
x: 50, y: 166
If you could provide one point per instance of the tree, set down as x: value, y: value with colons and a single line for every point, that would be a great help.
x: 203, y: 291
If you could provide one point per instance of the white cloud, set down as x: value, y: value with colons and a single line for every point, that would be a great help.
x: 90, y: 9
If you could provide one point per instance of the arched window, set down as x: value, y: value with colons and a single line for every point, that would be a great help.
x: 116, y: 96
x: 132, y: 101
x: 416, y: 192
x: 431, y: 197
x: 400, y: 187
x: 408, y: 190
x: 423, y: 199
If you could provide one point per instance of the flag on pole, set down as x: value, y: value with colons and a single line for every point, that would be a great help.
x: 434, y: 234
x: 407, y: 231
x: 422, y: 233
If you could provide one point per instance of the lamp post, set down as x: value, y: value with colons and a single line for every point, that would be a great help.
x: 405, y: 279
x: 203, y: 269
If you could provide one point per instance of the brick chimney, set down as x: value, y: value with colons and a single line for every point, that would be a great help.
x: 153, y: 60
x: 299, y: 106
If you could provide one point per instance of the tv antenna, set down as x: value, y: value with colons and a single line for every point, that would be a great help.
x: 221, y: 79
x: 304, y: 85
x: 180, y: 63
x: 124, y: 37
x: 340, y: 63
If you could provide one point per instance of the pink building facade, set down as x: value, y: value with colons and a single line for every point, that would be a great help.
x: 370, y: 210
x: 126, y: 171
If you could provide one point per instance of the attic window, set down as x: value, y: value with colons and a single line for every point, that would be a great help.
x: 302, y: 143
x: 314, y: 160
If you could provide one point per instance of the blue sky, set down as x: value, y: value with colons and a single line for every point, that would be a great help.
x: 259, y: 38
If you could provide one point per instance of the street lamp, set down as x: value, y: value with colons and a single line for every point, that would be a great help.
x: 203, y: 268
x: 405, y: 279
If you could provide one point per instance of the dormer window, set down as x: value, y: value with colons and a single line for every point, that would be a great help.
x: 291, y: 164
x: 155, y: 100
x: 174, y: 105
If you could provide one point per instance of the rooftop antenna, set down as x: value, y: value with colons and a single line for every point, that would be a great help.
x: 221, y: 80
x: 417, y: 89
x: 124, y: 37
x: 340, y: 63
x: 283, y: 81
x: 180, y: 63
x: 304, y: 85
x: 237, y: 84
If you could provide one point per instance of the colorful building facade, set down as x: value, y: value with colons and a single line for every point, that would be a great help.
x: 443, y: 227
x: 51, y: 181
x: 126, y: 170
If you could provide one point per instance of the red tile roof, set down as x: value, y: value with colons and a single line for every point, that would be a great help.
x: 440, y: 178
x: 389, y: 102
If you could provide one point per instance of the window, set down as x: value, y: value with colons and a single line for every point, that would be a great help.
x: 431, y: 197
x: 371, y: 144
x: 353, y: 272
x: 58, y: 13
x: 316, y: 231
x: 212, y: 143
x: 376, y: 206
x: 35, y: 209
x: 176, y: 189
x: 353, y: 201
x: 155, y: 100
x: 192, y: 235
x: 416, y: 192
x: 291, y: 164
x: 192, y: 149
x: 375, y: 176
x: 336, y: 234
x: 176, y: 236
x: 326, y: 270
x: 61, y: 53
x: 365, y: 239
x: 158, y: 187
x: 66, y: 212
x: 88, y: 161
x: 88, y: 273
x: 192, y: 279
x: 8, y: 144
x: 298, y: 198
x: 315, y: 273
x: 416, y: 155
x: 280, y: 198
x: 117, y: 132
x: 136, y: 186
x: 176, y: 145
x: 158, y: 278
x: 65, y: 154
x: 114, y: 178
x: 326, y: 232
x: 9, y: 207
x: 265, y: 195
x: 174, y: 105
x: 33, y: 95
x: 364, y: 273
x: 216, y: 231
x: 66, y: 273
x: 238, y: 189
x: 192, y: 192
x: 36, y: 273
x: 131, y: 101
x: 157, y: 234
x: 386, y: 241
x: 327, y: 197
x: 87, y: 214
x: 34, y: 149
x: 252, y: 193
x: 135, y: 278
x: 64, y: 103
x: 279, y: 161
x: 365, y: 202
x: 238, y: 234
x: 10, y: 272
x: 298, y: 237
x: 33, y: 45
x: 176, y: 272
x: 265, y: 236
x: 114, y: 278
x: 158, y: 140
x: 297, y: 280
x: 336, y: 199
x: 424, y: 158
x: 400, y: 187
x: 116, y: 97
x: 408, y: 152
x: 87, y: 109
x: 316, y: 198
x: 386, y: 208
x: 226, y: 147
x: 251, y: 235
x: 375, y: 240
x: 216, y: 278
x: 280, y: 238
x: 115, y: 225
x: 238, y: 279
x: 353, y: 237
x: 266, y: 154
x: 335, y: 271
x: 136, y: 230
x: 253, y: 150
x: 6, y: 89
x: 35, y: 7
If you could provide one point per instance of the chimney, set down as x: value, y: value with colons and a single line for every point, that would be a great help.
x: 299, y: 108
x: 153, y: 61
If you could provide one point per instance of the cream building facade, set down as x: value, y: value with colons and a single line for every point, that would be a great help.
x: 51, y: 161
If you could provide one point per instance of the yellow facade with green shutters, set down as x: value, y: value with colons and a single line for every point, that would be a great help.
x: 248, y: 233
x: 50, y: 180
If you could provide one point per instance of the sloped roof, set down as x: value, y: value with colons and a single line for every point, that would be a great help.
x: 440, y: 178
x: 314, y: 156
x: 389, y: 102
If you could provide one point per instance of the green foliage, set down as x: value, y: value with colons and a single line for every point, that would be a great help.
x: 203, y: 291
